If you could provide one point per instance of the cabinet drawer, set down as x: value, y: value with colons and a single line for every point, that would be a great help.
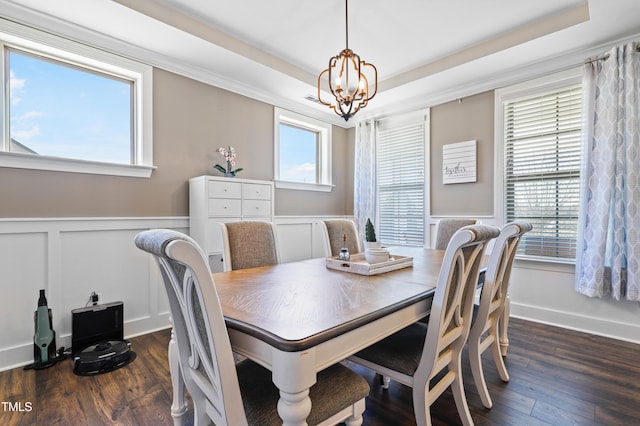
x: 224, y: 207
x: 221, y: 189
x: 255, y: 191
x: 254, y: 208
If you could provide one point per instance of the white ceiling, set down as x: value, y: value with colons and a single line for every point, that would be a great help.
x: 426, y: 51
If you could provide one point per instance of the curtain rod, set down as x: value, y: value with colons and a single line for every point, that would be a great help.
x: 606, y: 55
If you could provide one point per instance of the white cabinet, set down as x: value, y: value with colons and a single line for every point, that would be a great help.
x: 214, y: 200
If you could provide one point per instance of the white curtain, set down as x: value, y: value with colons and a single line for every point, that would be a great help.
x: 608, y: 257
x: 365, y: 177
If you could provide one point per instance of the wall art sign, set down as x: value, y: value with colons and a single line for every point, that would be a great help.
x: 459, y: 162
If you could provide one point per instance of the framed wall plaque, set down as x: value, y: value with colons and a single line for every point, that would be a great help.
x: 459, y: 162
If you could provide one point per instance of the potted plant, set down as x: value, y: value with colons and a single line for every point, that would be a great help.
x: 229, y: 155
x: 370, y: 236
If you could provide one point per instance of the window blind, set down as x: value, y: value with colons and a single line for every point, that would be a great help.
x: 401, y: 186
x: 542, y: 170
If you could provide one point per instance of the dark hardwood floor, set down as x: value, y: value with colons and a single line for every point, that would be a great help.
x: 558, y: 377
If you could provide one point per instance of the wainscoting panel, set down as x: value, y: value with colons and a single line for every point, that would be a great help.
x: 302, y: 237
x: 24, y: 272
x: 69, y: 259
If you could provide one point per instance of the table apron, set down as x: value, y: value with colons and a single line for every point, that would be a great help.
x: 296, y: 371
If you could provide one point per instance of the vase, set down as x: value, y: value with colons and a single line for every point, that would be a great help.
x: 230, y: 174
x: 372, y: 244
x: 374, y: 255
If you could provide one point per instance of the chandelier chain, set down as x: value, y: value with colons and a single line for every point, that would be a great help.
x: 346, y: 23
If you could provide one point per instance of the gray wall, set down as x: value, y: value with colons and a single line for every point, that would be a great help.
x: 458, y: 121
x: 190, y: 121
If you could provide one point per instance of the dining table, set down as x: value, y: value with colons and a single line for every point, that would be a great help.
x: 298, y: 318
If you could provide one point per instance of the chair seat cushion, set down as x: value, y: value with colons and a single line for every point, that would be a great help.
x: 336, y: 389
x: 400, y: 352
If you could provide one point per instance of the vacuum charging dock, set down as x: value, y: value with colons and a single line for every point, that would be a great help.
x: 97, y: 342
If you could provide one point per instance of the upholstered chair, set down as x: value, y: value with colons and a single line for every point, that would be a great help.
x: 428, y: 357
x: 225, y: 393
x: 445, y: 228
x: 491, y: 320
x: 334, y: 231
x: 248, y: 244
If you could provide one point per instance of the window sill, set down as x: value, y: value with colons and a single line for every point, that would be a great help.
x: 545, y: 264
x: 321, y: 187
x: 34, y: 162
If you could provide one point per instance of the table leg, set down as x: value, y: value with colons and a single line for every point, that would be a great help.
x: 294, y: 408
x: 294, y: 373
x: 504, y: 327
x: 178, y: 405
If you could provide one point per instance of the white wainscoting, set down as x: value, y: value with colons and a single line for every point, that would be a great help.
x: 300, y: 237
x: 69, y: 258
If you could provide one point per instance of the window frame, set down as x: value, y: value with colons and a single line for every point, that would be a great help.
x: 323, y: 154
x: 47, y: 45
x: 557, y: 81
x: 417, y: 118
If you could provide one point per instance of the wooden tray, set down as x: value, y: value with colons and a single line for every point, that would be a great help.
x: 359, y: 265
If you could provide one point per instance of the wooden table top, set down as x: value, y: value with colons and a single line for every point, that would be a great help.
x: 294, y: 306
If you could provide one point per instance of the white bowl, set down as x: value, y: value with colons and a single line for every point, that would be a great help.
x: 376, y: 255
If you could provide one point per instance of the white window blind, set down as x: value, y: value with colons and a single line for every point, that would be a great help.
x: 401, y: 186
x: 542, y: 170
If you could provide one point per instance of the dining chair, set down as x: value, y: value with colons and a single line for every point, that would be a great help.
x: 420, y: 353
x: 223, y: 392
x: 445, y: 228
x: 248, y: 244
x: 491, y: 319
x: 334, y: 231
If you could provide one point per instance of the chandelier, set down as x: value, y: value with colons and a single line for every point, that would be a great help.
x: 348, y: 78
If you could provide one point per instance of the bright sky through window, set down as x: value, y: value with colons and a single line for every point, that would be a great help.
x: 298, y: 154
x: 59, y: 110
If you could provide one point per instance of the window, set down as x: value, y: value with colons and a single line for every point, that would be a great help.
x: 542, y: 155
x: 302, y: 152
x: 72, y: 108
x: 400, y: 145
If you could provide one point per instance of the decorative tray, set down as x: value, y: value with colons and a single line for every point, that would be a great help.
x: 358, y: 264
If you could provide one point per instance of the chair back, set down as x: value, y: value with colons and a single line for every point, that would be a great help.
x: 446, y: 228
x: 249, y: 244
x: 335, y: 230
x: 452, y: 307
x: 206, y: 358
x: 496, y: 279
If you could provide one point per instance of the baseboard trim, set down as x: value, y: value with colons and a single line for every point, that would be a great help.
x: 598, y: 326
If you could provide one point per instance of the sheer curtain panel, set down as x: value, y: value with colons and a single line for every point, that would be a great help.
x: 365, y: 176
